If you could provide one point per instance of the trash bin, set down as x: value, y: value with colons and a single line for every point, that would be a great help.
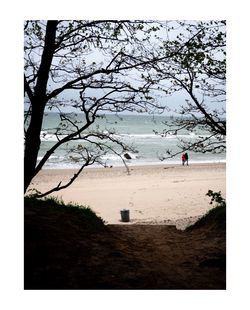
x: 125, y: 215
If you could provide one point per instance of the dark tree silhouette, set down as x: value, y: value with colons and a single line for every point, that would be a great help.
x: 82, y: 57
x: 199, y: 72
x: 95, y: 67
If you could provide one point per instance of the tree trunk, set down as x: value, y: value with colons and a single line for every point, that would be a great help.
x: 38, y: 103
x: 32, y: 145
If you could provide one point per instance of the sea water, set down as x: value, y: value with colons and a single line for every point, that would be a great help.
x: 143, y: 132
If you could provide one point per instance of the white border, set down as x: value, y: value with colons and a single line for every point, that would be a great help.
x: 13, y: 296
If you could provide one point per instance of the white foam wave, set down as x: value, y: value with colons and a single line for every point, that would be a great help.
x: 46, y: 136
x: 159, y: 136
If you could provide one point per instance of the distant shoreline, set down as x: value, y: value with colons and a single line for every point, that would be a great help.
x: 133, y: 165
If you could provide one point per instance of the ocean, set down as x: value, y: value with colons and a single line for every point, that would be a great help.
x: 136, y: 130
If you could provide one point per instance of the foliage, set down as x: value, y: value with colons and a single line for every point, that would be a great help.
x: 217, y: 198
x: 92, y: 67
x: 216, y: 217
x: 53, y: 204
x: 199, y: 73
x: 87, y: 67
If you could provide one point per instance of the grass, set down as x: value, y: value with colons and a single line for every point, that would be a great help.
x: 53, y: 206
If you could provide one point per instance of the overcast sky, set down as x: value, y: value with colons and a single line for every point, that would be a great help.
x: 173, y: 101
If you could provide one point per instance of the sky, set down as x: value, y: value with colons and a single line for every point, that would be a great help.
x: 13, y: 13
x: 173, y: 101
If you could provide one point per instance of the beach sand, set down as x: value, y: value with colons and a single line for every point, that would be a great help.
x: 159, y: 194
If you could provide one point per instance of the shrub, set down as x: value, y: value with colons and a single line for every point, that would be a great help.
x: 52, y: 205
x: 216, y: 217
x: 216, y: 197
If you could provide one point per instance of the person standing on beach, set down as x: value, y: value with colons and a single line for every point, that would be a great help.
x: 186, y: 157
x: 183, y: 159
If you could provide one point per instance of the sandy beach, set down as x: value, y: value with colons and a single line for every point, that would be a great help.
x: 64, y: 249
x: 163, y: 194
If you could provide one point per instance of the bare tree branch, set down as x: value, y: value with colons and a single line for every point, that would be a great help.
x: 89, y: 161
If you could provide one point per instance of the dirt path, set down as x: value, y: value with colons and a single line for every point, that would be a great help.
x: 163, y: 257
x: 60, y: 253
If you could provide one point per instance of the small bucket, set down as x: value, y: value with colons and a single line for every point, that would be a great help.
x: 125, y: 215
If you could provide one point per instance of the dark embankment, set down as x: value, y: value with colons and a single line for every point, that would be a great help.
x: 215, y: 219
x: 66, y: 247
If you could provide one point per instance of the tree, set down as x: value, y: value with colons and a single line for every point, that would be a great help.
x: 96, y: 60
x: 199, y: 71
x: 94, y: 67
